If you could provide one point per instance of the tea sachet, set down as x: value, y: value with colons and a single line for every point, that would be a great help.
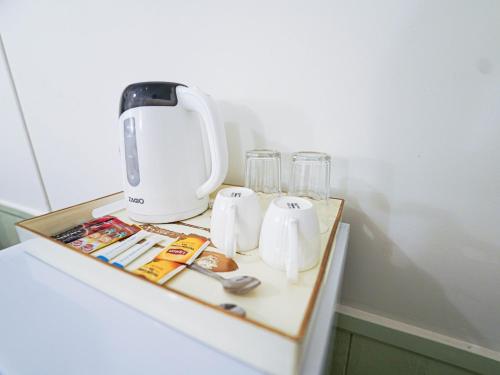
x: 173, y: 258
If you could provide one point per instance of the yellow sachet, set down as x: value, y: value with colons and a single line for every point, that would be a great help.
x: 184, y: 250
x: 159, y: 271
x: 173, y: 258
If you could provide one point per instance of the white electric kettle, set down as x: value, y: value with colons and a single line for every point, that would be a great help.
x: 171, y: 160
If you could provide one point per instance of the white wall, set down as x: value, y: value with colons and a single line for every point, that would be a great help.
x: 404, y: 95
x: 20, y: 184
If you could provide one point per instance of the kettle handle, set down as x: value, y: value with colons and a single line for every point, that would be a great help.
x: 195, y: 100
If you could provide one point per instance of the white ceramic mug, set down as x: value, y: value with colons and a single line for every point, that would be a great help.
x: 236, y: 220
x: 290, y: 237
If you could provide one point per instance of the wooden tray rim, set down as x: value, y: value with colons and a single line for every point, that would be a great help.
x: 312, y: 298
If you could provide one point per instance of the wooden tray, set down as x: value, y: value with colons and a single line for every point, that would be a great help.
x: 270, y: 337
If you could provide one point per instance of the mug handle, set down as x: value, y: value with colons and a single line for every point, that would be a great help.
x: 292, y: 259
x: 230, y: 236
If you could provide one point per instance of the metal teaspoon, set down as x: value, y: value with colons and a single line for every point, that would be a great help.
x: 234, y: 285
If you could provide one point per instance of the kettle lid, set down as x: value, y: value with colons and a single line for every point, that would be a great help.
x: 147, y: 94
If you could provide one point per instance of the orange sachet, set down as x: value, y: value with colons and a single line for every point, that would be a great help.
x: 184, y: 250
x: 159, y: 271
x: 173, y: 258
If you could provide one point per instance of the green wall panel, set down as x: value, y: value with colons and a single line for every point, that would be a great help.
x: 336, y: 362
x: 8, y: 235
x: 416, y: 347
x: 368, y: 356
x: 8, y: 218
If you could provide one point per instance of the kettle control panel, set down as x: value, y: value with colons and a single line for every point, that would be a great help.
x: 131, y: 159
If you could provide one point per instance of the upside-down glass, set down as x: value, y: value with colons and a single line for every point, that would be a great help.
x: 263, y: 171
x: 310, y: 177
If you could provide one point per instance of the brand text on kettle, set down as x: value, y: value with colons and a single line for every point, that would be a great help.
x: 136, y: 200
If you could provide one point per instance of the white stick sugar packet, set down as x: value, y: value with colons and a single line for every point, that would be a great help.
x: 149, y: 255
x: 135, y: 252
x: 114, y: 250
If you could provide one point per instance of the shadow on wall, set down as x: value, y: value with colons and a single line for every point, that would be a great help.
x: 408, y: 260
x: 379, y: 271
x: 244, y: 131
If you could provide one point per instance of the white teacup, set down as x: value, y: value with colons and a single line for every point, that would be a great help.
x: 236, y: 220
x: 290, y: 237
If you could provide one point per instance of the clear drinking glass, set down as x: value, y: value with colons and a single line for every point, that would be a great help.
x: 310, y: 175
x: 310, y: 178
x: 263, y: 171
